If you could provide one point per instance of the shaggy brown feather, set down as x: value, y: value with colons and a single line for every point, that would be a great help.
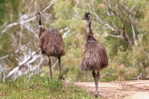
x: 95, y: 57
x: 51, y: 43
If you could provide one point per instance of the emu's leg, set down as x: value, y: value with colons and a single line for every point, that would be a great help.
x: 96, y: 78
x: 60, y: 68
x: 50, y: 68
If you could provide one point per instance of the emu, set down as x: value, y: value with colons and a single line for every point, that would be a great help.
x: 51, y: 45
x: 95, y: 55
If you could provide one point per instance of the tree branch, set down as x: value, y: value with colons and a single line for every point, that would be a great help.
x: 29, y: 59
x: 4, y: 57
x: 116, y: 36
x: 103, y: 22
x: 134, y: 35
x: 27, y: 20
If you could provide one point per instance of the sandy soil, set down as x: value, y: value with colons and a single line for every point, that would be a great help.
x: 119, y: 90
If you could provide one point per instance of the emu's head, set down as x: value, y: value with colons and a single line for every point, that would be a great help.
x: 87, y: 16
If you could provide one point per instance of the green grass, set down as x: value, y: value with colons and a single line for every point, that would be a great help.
x: 40, y: 88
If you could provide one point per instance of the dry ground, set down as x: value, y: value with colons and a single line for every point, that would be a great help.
x: 119, y: 90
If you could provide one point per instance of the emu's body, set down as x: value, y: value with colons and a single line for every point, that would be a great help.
x: 95, y: 56
x: 51, y: 44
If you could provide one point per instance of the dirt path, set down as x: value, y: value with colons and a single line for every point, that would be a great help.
x: 119, y: 90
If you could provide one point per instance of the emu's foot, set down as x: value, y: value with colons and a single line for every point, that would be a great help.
x: 97, y: 94
x: 63, y: 74
x: 61, y: 78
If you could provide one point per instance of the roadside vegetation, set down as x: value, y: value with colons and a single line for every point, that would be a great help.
x: 121, y: 25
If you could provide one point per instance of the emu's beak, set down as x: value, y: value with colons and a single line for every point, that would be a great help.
x: 38, y: 14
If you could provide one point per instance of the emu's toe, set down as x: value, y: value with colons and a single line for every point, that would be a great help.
x: 97, y: 94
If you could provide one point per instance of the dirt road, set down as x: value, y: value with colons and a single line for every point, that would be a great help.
x: 119, y: 90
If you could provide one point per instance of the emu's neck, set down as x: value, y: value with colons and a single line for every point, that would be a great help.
x: 89, y: 28
x: 41, y: 28
x: 90, y: 35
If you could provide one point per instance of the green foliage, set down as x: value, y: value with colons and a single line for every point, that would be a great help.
x: 68, y: 14
x: 63, y: 9
x: 9, y: 10
x: 5, y: 44
x: 115, y: 45
x: 40, y: 88
x: 55, y: 84
x: 2, y: 10
x: 126, y: 61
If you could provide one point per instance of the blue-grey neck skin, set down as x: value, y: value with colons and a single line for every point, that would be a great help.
x: 89, y: 27
x: 41, y: 27
x: 39, y: 17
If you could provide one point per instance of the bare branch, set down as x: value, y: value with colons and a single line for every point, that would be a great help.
x: 134, y: 35
x: 4, y: 57
x: 9, y: 26
x: 49, y: 6
x: 27, y: 20
x: 103, y: 22
x: 116, y: 36
x: 31, y: 58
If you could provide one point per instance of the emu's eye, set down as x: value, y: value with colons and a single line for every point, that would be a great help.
x: 89, y: 16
